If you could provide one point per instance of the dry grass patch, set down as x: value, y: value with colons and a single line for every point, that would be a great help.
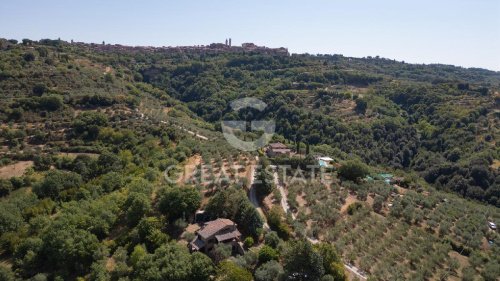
x: 348, y: 201
x: 15, y: 170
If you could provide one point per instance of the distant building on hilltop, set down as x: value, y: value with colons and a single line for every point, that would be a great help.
x: 213, y: 48
x: 249, y: 46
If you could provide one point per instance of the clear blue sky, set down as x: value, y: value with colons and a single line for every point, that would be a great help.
x: 465, y: 33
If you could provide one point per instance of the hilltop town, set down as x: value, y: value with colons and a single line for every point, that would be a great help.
x: 213, y: 48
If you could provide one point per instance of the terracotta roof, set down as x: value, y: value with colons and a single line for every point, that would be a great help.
x: 212, y: 227
x: 277, y: 145
x: 228, y: 236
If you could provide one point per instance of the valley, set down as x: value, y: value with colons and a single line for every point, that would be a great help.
x: 114, y: 166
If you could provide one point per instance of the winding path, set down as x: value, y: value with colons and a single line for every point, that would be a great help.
x: 252, y: 195
x: 284, y: 201
x: 355, y: 271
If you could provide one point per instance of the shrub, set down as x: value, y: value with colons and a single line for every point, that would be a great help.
x: 361, y: 106
x: 271, y: 239
x: 354, y: 207
x: 42, y: 162
x: 267, y: 253
x: 17, y: 182
x: 377, y: 203
x: 87, y: 124
x: 249, y: 242
x: 29, y: 57
x: 16, y: 114
x: 39, y: 89
x: 276, y: 223
x: 5, y: 187
x: 221, y: 252
x: 50, y: 103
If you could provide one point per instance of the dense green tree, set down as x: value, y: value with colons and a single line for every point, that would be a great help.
x: 109, y: 162
x: 276, y: 223
x: 137, y: 254
x: 16, y: 114
x: 51, y: 103
x: 136, y: 207
x: 69, y: 250
x: 87, y: 124
x: 302, y: 262
x: 266, y: 253
x: 149, y: 231
x: 111, y: 181
x: 29, y: 57
x: 221, y: 252
x: 99, y: 272
x: 139, y: 185
x: 331, y: 261
x: 42, y: 162
x: 229, y: 271
x: 39, y: 89
x: 28, y: 257
x: 86, y: 166
x: 5, y: 187
x: 179, y: 202
x: 55, y: 182
x: 6, y: 274
x: 265, y: 184
x: 173, y: 262
x: 361, y: 106
x: 272, y: 239
x: 353, y: 170
x: 269, y: 271
x: 202, y: 267
x: 121, y: 269
x: 234, y: 204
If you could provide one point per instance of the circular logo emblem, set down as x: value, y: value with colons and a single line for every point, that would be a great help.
x: 230, y: 127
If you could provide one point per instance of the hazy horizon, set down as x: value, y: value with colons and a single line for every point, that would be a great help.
x: 461, y: 33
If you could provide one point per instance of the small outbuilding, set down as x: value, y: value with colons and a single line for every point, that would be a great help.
x: 324, y: 161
